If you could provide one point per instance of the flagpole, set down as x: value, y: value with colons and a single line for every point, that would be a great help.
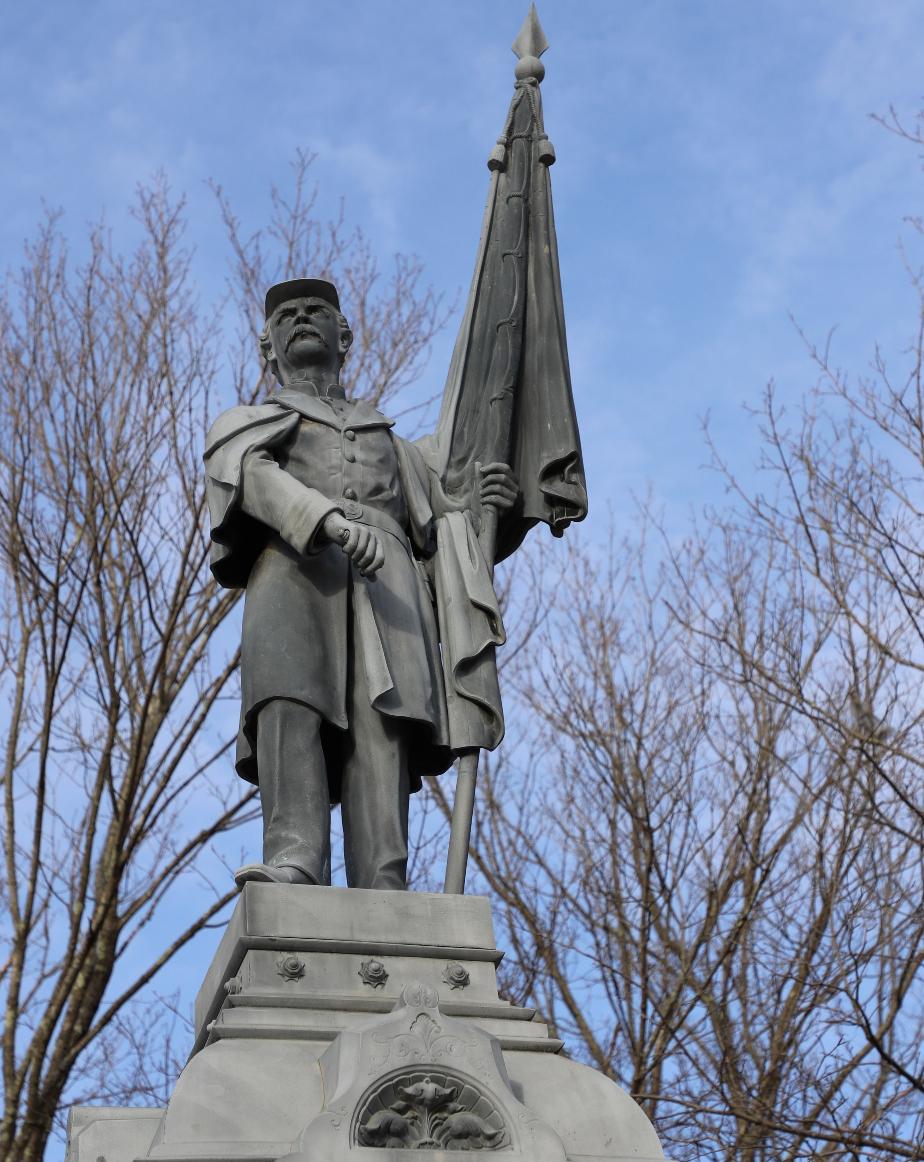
x: 460, y: 832
x: 498, y: 375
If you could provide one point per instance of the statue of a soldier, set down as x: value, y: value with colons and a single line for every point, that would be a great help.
x: 370, y: 618
x: 328, y: 519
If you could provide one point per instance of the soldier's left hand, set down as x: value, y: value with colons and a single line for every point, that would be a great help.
x: 499, y: 488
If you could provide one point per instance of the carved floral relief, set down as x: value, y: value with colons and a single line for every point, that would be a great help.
x: 430, y: 1111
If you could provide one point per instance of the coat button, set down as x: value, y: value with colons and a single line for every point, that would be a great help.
x: 349, y: 455
x: 349, y: 494
x: 349, y: 434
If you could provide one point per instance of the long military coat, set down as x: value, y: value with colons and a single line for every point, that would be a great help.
x: 274, y: 472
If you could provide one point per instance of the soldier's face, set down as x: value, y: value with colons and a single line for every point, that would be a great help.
x: 304, y: 332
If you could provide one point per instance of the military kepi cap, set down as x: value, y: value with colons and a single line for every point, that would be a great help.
x: 297, y: 288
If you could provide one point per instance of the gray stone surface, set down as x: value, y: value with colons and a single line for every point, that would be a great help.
x: 111, y: 1133
x: 417, y: 1079
x: 303, y: 1004
x: 350, y: 924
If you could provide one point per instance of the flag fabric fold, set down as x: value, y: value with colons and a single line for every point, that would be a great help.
x: 508, y: 394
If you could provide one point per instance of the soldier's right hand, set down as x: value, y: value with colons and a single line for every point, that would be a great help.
x: 360, y: 543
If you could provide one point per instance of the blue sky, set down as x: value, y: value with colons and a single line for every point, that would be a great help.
x: 718, y: 172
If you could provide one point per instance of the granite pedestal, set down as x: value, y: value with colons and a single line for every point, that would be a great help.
x: 339, y: 1023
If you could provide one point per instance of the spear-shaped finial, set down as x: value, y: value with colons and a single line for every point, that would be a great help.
x: 529, y: 46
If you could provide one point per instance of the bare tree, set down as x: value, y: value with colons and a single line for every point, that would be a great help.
x: 707, y: 845
x: 116, y: 775
x: 691, y: 879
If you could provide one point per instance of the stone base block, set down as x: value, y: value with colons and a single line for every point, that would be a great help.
x: 339, y: 1023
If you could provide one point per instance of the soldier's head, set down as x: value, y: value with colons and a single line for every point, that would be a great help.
x: 305, y: 329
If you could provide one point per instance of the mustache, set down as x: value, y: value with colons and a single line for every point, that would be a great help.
x: 300, y: 330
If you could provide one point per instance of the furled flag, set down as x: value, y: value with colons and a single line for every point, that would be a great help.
x: 508, y: 393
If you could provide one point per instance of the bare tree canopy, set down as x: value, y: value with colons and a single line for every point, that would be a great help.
x: 115, y: 778
x: 707, y: 848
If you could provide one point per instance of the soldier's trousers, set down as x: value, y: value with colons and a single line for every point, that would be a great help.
x: 374, y: 787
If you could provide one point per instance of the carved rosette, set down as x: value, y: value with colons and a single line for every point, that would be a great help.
x: 373, y: 973
x: 290, y: 967
x: 456, y: 975
x: 428, y: 1109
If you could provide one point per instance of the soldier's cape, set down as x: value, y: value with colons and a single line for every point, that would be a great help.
x: 469, y: 619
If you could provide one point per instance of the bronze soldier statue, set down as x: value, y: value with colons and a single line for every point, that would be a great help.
x: 370, y: 619
x: 328, y: 519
